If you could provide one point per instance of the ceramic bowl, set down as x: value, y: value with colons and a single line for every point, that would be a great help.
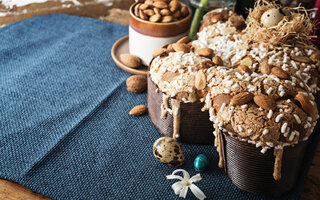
x: 145, y: 36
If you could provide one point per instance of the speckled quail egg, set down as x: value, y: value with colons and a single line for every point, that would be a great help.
x: 168, y: 151
x: 271, y: 17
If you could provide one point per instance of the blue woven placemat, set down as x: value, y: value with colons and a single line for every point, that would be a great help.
x: 65, y: 131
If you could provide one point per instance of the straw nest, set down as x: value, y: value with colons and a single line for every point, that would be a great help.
x: 293, y: 28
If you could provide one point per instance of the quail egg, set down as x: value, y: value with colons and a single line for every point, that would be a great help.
x: 168, y: 151
x: 271, y: 17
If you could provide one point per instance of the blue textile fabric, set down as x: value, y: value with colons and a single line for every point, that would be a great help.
x: 65, y: 131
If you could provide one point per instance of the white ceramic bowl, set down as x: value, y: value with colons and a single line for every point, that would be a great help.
x: 145, y: 36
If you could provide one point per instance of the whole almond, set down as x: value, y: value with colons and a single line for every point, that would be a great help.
x: 136, y: 83
x: 225, y: 14
x: 165, y: 12
x: 237, y: 21
x: 136, y: 9
x: 144, y: 6
x: 221, y: 99
x: 176, y: 14
x: 315, y: 57
x: 244, y: 69
x: 247, y: 61
x: 184, y: 11
x: 206, y: 52
x: 181, y: 47
x: 240, y: 24
x: 167, y: 19
x: 170, y: 48
x: 277, y: 71
x: 184, y: 40
x: 265, y: 68
x: 142, y: 15
x: 149, y: 12
x: 217, y: 61
x: 200, y: 80
x: 169, y: 76
x: 305, y: 103
x: 206, y: 64
x: 160, y: 4
x: 138, y: 110
x: 130, y: 60
x: 159, y: 52
x: 156, y: 11
x: 217, y: 17
x: 265, y: 102
x: 241, y: 98
x: 155, y: 18
x: 148, y: 2
x: 165, y: 46
x: 302, y: 59
x: 174, y: 5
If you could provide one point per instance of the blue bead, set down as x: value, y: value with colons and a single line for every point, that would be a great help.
x: 201, y: 162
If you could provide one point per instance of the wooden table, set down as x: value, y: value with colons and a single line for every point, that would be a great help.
x: 117, y: 13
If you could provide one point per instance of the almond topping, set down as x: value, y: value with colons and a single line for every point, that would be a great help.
x: 159, y: 52
x: 241, y: 98
x: 247, y: 61
x: 184, y: 40
x: 200, y: 81
x: 265, y: 68
x: 217, y: 17
x: 169, y: 76
x: 277, y: 71
x: 221, y: 99
x: 305, y: 103
x: 244, y: 69
x: 206, y: 64
x: 302, y: 59
x: 217, y: 61
x: 206, y: 52
x: 265, y: 102
x: 170, y: 48
x: 181, y: 47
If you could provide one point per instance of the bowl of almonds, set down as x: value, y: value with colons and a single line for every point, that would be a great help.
x: 155, y: 23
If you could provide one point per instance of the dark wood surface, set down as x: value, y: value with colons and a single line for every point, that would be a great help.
x: 118, y: 13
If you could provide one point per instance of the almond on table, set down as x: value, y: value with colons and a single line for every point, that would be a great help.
x: 136, y: 83
x: 138, y: 110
